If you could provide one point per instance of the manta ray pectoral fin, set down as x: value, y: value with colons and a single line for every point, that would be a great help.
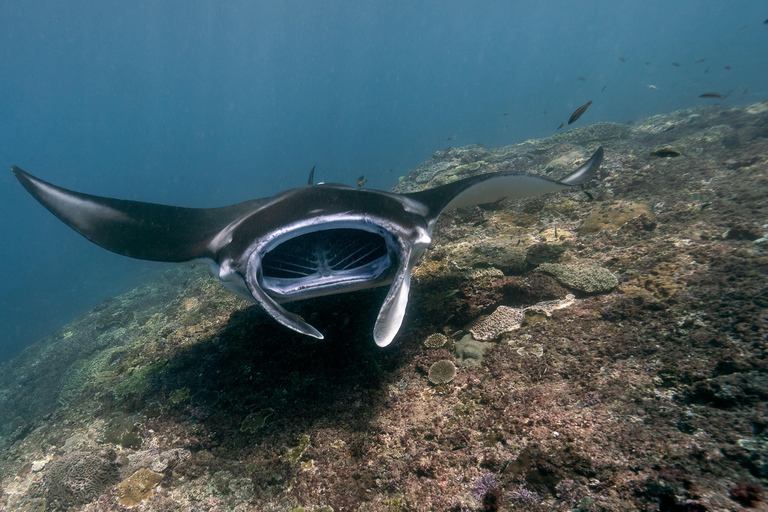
x: 140, y: 230
x: 283, y: 316
x: 393, y: 310
x: 492, y: 187
x: 587, y: 171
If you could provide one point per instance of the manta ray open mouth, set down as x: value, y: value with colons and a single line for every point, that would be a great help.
x: 324, y: 253
x: 329, y: 257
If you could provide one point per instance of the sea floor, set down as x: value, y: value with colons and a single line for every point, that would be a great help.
x: 596, y: 350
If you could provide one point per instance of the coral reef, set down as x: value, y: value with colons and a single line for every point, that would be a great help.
x: 77, y: 478
x: 646, y: 390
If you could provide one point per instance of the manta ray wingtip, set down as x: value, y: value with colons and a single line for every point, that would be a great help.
x: 19, y: 173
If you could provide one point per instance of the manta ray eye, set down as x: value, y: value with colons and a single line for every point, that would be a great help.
x: 324, y: 254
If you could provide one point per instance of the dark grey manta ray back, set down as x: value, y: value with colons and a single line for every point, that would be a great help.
x: 305, y: 242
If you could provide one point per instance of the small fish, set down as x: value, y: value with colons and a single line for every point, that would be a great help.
x: 676, y: 64
x: 449, y: 138
x: 666, y: 153
x: 505, y: 114
x: 544, y: 111
x: 652, y: 87
x: 711, y: 95
x: 391, y: 170
x: 581, y: 78
x: 480, y: 223
x: 727, y: 68
x: 604, y: 88
x: 360, y: 183
x: 561, y: 125
x: 765, y: 22
x: 746, y: 90
x: 506, y: 126
x: 706, y: 70
x: 578, y: 112
x: 700, y: 61
x: 362, y: 177
x: 622, y: 59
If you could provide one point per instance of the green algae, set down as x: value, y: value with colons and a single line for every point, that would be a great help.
x: 256, y: 420
x: 95, y: 370
x: 137, y: 380
x: 295, y: 453
x: 124, y: 431
x: 178, y: 396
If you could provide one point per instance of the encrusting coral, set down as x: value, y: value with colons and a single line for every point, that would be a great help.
x: 138, y: 487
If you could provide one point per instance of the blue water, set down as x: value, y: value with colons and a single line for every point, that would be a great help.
x: 210, y: 103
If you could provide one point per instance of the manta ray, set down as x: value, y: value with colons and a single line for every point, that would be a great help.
x: 311, y: 241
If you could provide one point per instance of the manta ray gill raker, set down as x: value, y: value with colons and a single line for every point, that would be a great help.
x: 305, y: 242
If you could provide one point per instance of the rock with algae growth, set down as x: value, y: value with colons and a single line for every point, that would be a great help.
x: 613, y: 216
x: 138, y: 487
x: 137, y: 380
x: 256, y: 420
x: 125, y: 431
x: 581, y: 278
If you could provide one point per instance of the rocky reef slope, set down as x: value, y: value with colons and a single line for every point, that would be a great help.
x: 600, y: 349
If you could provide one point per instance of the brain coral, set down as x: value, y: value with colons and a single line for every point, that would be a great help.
x: 442, y: 372
x: 77, y: 478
